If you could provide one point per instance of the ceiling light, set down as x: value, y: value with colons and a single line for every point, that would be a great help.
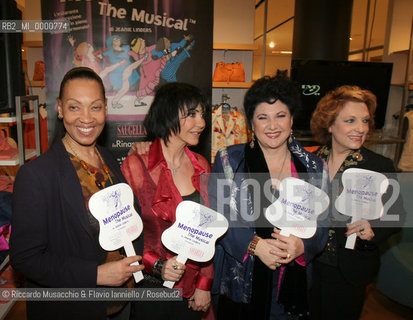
x: 271, y: 44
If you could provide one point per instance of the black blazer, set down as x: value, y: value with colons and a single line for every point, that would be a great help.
x: 360, y: 266
x: 51, y: 241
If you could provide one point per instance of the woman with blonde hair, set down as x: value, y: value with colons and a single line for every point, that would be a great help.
x: 341, y: 122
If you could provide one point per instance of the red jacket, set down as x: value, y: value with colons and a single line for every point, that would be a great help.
x: 152, y: 183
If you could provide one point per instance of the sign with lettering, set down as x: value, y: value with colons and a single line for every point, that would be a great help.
x: 119, y: 222
x: 194, y: 233
x: 134, y: 46
x: 361, y: 197
x: 297, y: 208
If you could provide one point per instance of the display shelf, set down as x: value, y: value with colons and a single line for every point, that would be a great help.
x: 26, y: 116
x: 19, y: 116
x: 219, y: 84
x: 40, y: 84
x: 14, y: 161
x: 230, y: 53
x: 23, y: 153
x: 409, y: 85
x: 235, y: 46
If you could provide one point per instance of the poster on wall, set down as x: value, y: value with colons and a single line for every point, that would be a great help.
x: 135, y: 46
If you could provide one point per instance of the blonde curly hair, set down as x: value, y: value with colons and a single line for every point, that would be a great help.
x: 330, y: 106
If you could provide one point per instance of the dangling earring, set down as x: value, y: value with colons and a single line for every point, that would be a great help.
x: 290, y: 138
x: 252, y: 142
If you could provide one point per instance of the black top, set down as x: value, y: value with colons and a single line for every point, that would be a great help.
x: 194, y: 196
x: 52, y: 242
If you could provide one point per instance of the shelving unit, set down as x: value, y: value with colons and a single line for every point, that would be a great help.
x: 38, y: 84
x: 23, y: 154
x: 235, y: 46
x: 20, y: 158
x: 233, y: 52
x: 220, y: 84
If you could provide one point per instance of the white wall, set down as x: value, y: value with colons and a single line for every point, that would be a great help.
x: 234, y: 21
x: 32, y: 11
x: 401, y: 24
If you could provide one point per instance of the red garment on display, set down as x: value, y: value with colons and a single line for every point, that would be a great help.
x: 152, y: 183
x: 29, y: 134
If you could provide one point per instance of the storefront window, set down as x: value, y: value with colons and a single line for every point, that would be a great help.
x: 275, y: 33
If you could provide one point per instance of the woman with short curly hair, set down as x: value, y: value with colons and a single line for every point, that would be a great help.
x: 341, y: 122
x: 331, y: 104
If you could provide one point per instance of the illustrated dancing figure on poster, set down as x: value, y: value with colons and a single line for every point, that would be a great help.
x: 85, y: 55
x: 150, y: 71
x: 139, y: 54
x: 119, y: 54
x: 182, y: 49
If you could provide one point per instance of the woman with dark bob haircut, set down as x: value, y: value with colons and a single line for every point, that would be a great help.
x: 341, y: 122
x: 55, y: 238
x: 259, y: 273
x: 168, y: 174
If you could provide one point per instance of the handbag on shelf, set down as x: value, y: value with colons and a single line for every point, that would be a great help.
x: 229, y: 72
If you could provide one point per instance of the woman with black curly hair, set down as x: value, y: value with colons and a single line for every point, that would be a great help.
x: 260, y: 273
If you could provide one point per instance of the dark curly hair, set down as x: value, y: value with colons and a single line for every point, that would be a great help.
x: 270, y: 89
x: 330, y: 106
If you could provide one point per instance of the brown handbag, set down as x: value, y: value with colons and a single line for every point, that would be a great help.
x: 229, y: 72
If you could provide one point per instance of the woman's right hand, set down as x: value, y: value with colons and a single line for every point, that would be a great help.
x: 115, y: 273
x: 141, y: 147
x: 172, y: 270
x: 263, y: 251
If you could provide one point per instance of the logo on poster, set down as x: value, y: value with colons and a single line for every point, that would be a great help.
x: 131, y: 130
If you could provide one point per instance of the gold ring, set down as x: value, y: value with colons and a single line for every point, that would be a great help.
x: 277, y: 264
x: 288, y: 255
x: 175, y: 267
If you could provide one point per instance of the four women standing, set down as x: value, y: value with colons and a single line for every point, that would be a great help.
x: 258, y: 272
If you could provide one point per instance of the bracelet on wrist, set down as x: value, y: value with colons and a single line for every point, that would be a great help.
x: 253, y: 245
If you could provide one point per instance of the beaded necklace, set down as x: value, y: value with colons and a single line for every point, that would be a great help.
x: 86, y: 167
